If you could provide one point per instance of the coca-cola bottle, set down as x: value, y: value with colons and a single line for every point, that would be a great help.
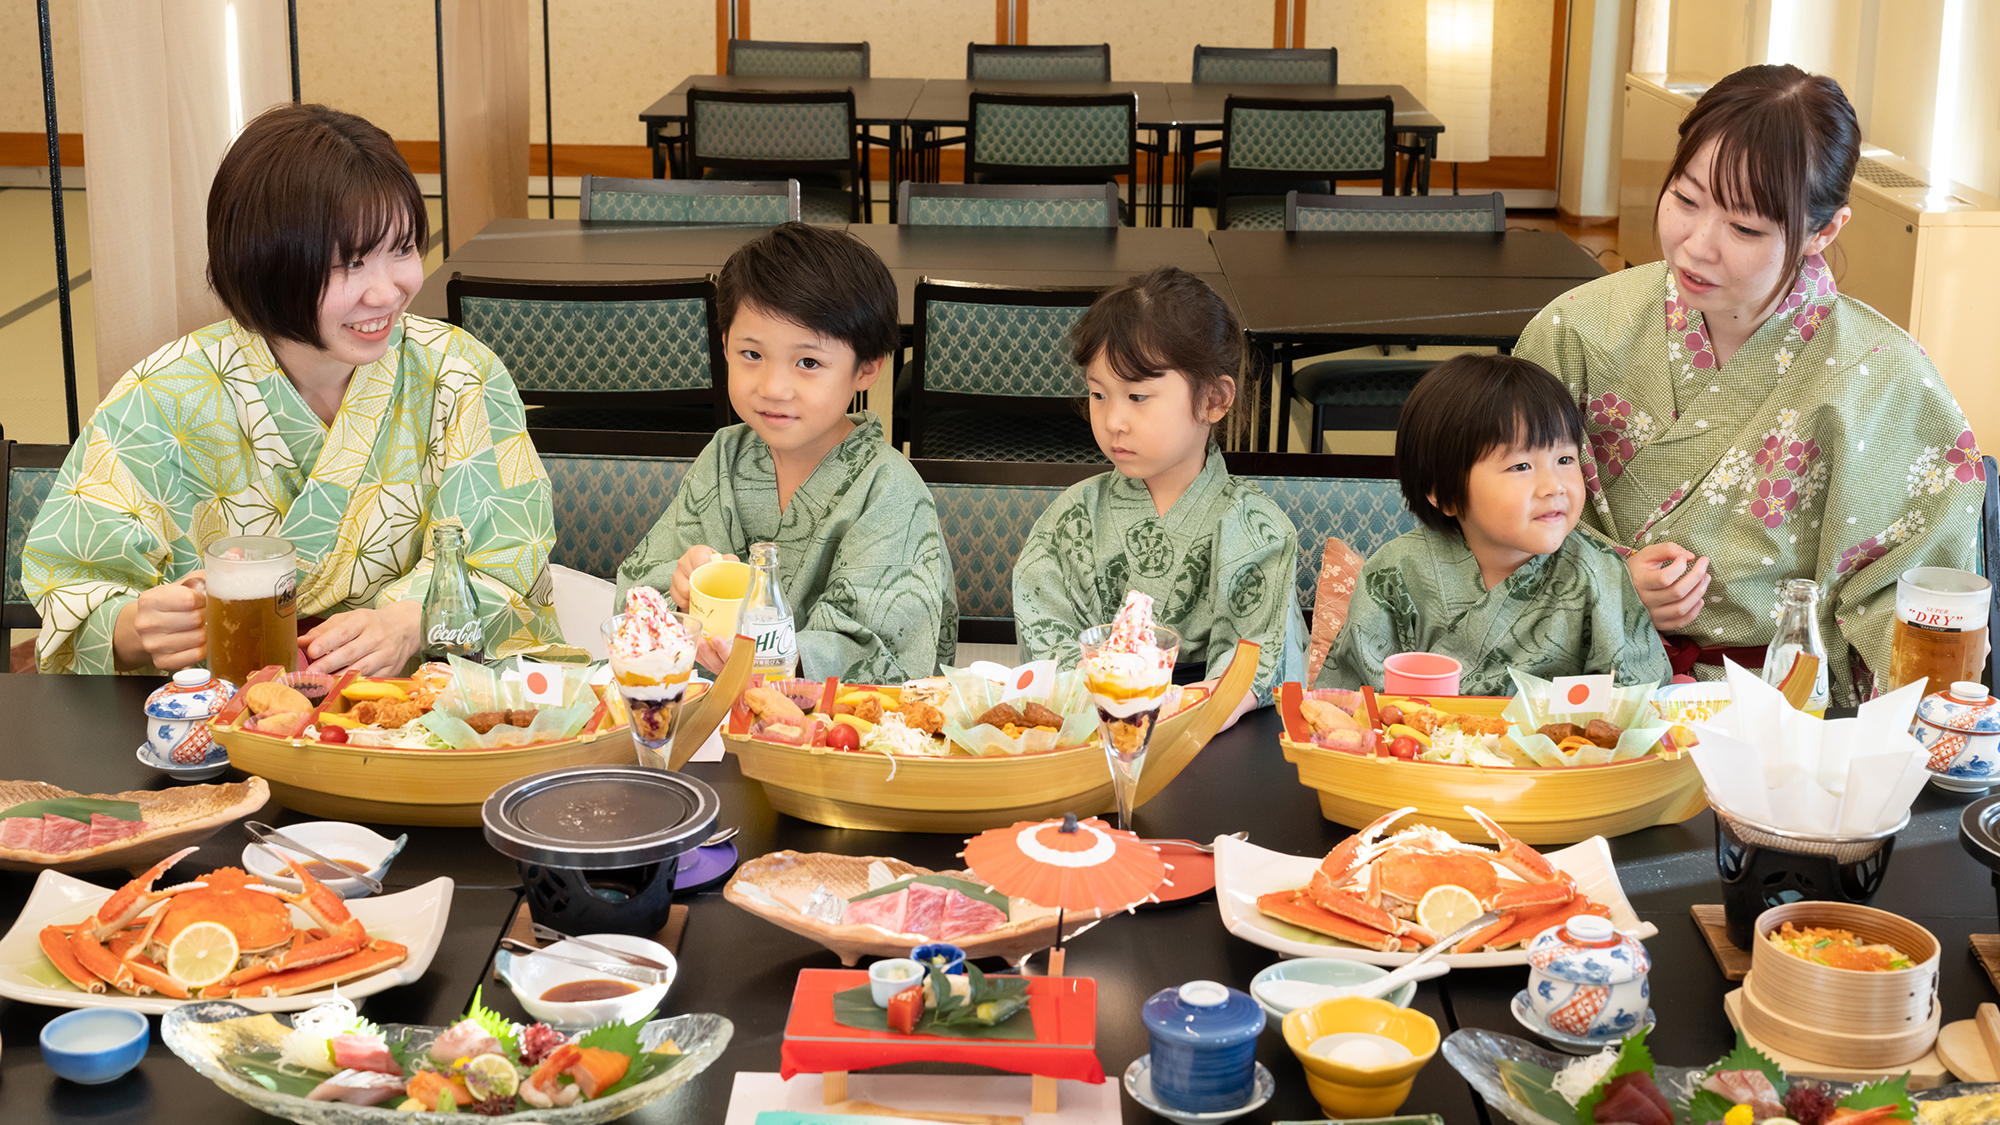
x: 451, y: 611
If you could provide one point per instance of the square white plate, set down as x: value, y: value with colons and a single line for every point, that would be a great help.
x: 1243, y: 871
x: 414, y: 918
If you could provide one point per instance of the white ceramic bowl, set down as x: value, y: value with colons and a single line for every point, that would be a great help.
x: 882, y: 986
x: 531, y: 976
x: 334, y: 839
x: 1325, y: 970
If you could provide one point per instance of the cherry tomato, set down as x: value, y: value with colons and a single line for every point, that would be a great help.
x: 843, y: 737
x: 1406, y: 748
x: 332, y: 733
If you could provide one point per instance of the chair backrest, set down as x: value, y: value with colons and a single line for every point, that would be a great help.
x: 997, y: 340
x: 761, y: 202
x: 607, y: 343
x: 805, y: 129
x: 998, y: 62
x: 1355, y: 498
x: 985, y: 510
x: 1267, y: 64
x: 1414, y: 213
x: 606, y: 503
x: 29, y: 474
x: 1007, y: 205
x: 1024, y: 134
x: 1330, y: 139
x: 771, y: 58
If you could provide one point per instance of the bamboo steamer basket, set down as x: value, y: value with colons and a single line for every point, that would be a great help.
x: 1539, y: 805
x: 1843, y: 1017
x: 964, y: 794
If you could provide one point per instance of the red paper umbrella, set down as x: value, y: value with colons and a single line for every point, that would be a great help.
x: 1069, y: 864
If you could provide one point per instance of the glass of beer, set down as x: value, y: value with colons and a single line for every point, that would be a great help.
x: 1940, y: 629
x: 252, y: 617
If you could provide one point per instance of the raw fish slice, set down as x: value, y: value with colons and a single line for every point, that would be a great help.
x: 358, y: 1087
x: 462, y: 1040
x: 964, y: 915
x: 1632, y: 1098
x: 1747, y: 1087
x: 355, y: 1051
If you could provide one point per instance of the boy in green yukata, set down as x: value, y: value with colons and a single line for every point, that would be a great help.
x: 1490, y: 454
x: 809, y: 319
x: 1161, y: 354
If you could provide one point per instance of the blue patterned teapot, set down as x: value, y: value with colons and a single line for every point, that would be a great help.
x: 1960, y: 732
x: 177, y: 715
x: 1587, y: 980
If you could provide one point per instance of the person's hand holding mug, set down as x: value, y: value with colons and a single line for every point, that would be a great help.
x: 164, y: 626
x: 683, y: 570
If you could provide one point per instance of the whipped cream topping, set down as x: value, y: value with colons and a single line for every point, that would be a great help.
x: 650, y: 641
x: 1128, y: 659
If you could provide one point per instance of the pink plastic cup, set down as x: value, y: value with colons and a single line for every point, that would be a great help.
x: 1420, y: 673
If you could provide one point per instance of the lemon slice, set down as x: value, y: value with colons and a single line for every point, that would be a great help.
x: 491, y: 1075
x: 1446, y: 907
x: 202, y: 954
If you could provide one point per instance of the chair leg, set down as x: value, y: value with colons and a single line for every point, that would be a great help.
x: 1285, y: 403
x: 1319, y: 429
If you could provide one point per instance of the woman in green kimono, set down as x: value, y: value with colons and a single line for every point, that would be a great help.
x: 1748, y: 423
x: 320, y: 412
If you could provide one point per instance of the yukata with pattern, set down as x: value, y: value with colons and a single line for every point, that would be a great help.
x: 861, y: 559
x: 1828, y: 448
x: 1219, y: 566
x: 1570, y: 613
x: 207, y: 438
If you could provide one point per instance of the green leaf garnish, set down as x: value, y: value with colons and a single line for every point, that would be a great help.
x: 78, y: 808
x: 494, y: 1024
x: 1889, y: 1091
x: 987, y: 1002
x: 1632, y: 1055
x: 620, y: 1037
x: 1707, y: 1105
x: 1533, y: 1086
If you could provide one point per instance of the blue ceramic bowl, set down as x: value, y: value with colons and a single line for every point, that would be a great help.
x: 954, y: 957
x: 94, y: 1045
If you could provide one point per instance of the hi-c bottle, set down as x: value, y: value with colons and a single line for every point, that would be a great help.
x: 451, y: 610
x: 1797, y: 635
x: 767, y: 618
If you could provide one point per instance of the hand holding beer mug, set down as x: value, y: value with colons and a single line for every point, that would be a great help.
x: 1940, y: 629
x: 252, y: 612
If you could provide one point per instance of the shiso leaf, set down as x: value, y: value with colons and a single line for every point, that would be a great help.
x: 1634, y: 1055
x: 1707, y: 1105
x: 620, y: 1037
x: 1889, y: 1091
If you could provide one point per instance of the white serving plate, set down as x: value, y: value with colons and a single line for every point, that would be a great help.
x: 1244, y: 871
x: 414, y: 918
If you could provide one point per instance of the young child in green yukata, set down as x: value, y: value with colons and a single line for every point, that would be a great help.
x: 1490, y: 454
x: 1161, y: 355
x: 808, y: 317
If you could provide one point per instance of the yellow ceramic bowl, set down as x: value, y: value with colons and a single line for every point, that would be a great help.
x: 1352, y: 1091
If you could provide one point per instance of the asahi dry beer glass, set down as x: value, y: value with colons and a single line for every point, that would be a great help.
x: 253, y: 615
x: 1940, y: 629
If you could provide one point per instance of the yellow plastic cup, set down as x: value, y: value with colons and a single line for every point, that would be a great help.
x: 715, y: 593
x: 1354, y: 1091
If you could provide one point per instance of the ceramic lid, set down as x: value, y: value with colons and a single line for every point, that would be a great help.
x: 191, y: 694
x: 600, y: 817
x: 1202, y: 1014
x: 1587, y: 950
x: 1967, y: 708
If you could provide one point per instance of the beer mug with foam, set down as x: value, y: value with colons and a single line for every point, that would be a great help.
x: 1940, y: 629
x: 253, y: 617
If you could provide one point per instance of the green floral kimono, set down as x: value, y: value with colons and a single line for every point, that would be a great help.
x: 860, y: 555
x: 1571, y: 613
x: 207, y: 438
x: 1219, y: 567
x: 1829, y: 448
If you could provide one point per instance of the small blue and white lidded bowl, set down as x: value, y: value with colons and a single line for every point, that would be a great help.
x: 1204, y: 1038
x: 1587, y: 980
x: 1960, y: 732
x: 177, y: 716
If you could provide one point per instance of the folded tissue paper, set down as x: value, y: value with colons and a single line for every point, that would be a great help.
x: 1764, y: 761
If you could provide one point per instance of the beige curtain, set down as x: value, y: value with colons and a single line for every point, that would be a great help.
x: 163, y: 95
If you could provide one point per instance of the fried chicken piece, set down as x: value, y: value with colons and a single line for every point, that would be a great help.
x: 270, y: 697
x: 769, y: 705
x: 387, y: 713
x: 1002, y: 715
x: 1040, y: 716
x: 1482, y: 724
x: 933, y: 690
x: 868, y: 707
x: 429, y: 682
x: 922, y: 716
x: 1559, y: 731
x: 1603, y: 734
x: 485, y: 721
x: 1427, y: 719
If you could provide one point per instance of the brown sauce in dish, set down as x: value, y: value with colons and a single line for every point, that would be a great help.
x: 319, y: 870
x: 580, y: 991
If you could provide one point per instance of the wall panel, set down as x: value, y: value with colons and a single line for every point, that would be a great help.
x: 906, y: 38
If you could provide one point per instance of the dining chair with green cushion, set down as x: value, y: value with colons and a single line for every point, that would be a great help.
x: 991, y: 378
x: 605, y: 503
x: 1414, y: 214
x: 760, y: 202
x: 1007, y: 205
x: 1291, y: 65
x: 1007, y: 62
x: 1356, y: 499
x: 1051, y: 139
x: 985, y: 510
x: 771, y: 58
x: 1268, y: 142
x: 806, y: 135
x: 612, y: 355
x: 27, y: 475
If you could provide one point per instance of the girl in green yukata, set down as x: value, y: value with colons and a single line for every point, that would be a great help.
x: 1161, y: 355
x: 1496, y: 576
x: 1747, y: 423
x: 320, y: 412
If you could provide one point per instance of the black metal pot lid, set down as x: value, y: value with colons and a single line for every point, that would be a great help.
x: 1979, y: 831
x: 598, y: 817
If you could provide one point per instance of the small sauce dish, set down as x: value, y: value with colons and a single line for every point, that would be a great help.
x: 945, y: 955
x: 95, y: 1045
x: 334, y: 839
x: 892, y: 975
x: 532, y: 978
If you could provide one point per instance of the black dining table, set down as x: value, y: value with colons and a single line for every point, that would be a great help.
x: 76, y: 731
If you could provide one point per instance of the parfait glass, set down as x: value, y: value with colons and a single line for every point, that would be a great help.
x: 1128, y: 707
x: 655, y: 705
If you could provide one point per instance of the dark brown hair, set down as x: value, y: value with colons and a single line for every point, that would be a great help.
x: 303, y: 189
x: 823, y: 280
x: 1465, y: 408
x: 1168, y: 320
x: 1786, y: 143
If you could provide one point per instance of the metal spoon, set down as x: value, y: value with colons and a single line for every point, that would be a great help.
x: 623, y: 972
x: 265, y: 836
x: 1186, y: 845
x: 550, y: 933
x: 720, y: 837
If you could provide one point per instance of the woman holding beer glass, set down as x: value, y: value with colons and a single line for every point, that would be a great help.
x: 1747, y: 422
x: 320, y: 415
